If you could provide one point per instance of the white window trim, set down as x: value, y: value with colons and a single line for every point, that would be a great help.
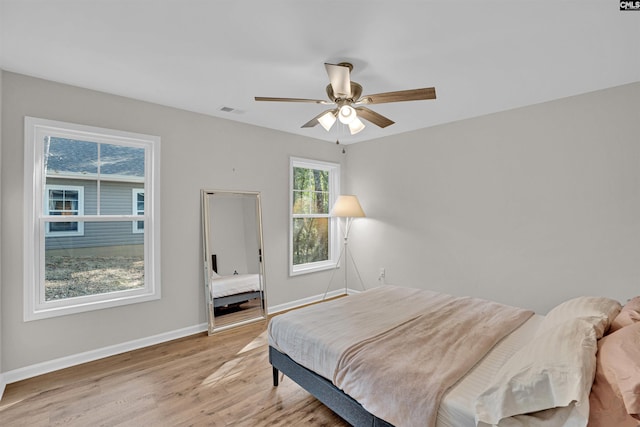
x: 134, y: 209
x: 35, y: 306
x: 334, y: 238
x: 80, y: 190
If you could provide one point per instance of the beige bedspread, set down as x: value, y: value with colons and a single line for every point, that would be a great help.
x: 395, y: 350
x: 316, y: 336
x: 400, y: 375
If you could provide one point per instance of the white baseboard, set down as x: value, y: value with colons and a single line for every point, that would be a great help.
x: 3, y: 385
x: 88, y: 356
x: 309, y: 300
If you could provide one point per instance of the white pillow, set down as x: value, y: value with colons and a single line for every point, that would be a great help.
x: 599, y: 311
x: 553, y: 370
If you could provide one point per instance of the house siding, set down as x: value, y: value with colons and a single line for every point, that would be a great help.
x: 116, y: 199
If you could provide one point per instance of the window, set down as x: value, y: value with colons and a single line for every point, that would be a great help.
x: 96, y: 260
x: 314, y: 187
x: 64, y: 200
x: 138, y: 209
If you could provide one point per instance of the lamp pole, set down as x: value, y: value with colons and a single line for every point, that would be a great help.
x: 348, y: 207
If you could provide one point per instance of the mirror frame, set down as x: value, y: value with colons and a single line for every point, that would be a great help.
x: 207, y: 256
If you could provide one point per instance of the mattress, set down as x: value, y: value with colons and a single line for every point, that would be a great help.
x: 306, y: 338
x: 457, y: 407
x: 223, y: 286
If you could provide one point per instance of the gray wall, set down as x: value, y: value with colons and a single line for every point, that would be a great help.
x: 529, y: 206
x: 197, y: 152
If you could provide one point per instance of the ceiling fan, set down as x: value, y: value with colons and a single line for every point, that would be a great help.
x: 346, y: 95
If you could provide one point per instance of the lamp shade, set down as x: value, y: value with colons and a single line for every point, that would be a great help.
x: 347, y: 206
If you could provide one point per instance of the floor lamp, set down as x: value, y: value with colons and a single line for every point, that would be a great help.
x: 348, y: 207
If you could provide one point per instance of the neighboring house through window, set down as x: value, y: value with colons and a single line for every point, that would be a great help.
x: 138, y: 209
x: 314, y: 187
x: 80, y: 250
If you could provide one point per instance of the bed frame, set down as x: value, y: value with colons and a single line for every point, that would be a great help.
x: 235, y: 298
x: 323, y: 390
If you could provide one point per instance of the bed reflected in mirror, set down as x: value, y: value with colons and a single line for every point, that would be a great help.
x: 233, y: 258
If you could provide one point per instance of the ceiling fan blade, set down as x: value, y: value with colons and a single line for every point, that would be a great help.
x: 373, y: 117
x: 339, y: 76
x: 314, y: 101
x: 401, y: 95
x: 311, y: 123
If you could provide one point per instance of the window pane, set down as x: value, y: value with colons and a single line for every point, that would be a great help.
x: 310, y: 240
x: 63, y: 155
x: 115, y: 198
x: 63, y: 226
x: 107, y: 258
x: 68, y: 277
x: 121, y: 161
x: 310, y: 179
x: 63, y: 202
x: 120, y: 168
x: 140, y: 203
x: 310, y: 202
x: 56, y: 194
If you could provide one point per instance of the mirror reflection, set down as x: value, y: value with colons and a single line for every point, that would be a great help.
x: 233, y: 258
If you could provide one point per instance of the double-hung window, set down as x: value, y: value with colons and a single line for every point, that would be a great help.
x: 313, y: 234
x: 80, y: 250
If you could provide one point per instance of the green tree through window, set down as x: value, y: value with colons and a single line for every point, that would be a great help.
x: 311, y: 229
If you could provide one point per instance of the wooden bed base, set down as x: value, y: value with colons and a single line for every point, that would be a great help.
x: 323, y: 390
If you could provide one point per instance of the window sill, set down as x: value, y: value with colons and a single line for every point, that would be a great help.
x: 46, y: 311
x: 312, y: 268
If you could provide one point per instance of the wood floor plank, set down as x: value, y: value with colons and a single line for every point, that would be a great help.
x: 219, y: 380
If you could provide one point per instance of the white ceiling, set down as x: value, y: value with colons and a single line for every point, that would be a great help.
x: 482, y: 56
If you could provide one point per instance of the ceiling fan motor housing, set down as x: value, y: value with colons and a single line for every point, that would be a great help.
x: 356, y: 92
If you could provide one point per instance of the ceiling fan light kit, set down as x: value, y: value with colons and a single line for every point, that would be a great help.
x: 346, y: 114
x: 345, y: 94
x: 327, y: 120
x: 355, y: 126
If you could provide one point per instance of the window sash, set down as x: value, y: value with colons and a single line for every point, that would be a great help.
x: 91, y: 298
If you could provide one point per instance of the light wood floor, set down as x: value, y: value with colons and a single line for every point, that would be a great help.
x: 222, y: 380
x: 241, y: 313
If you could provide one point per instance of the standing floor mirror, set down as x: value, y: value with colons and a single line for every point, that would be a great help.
x: 233, y: 258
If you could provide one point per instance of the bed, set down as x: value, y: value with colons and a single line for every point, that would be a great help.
x: 404, y: 357
x: 232, y: 290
